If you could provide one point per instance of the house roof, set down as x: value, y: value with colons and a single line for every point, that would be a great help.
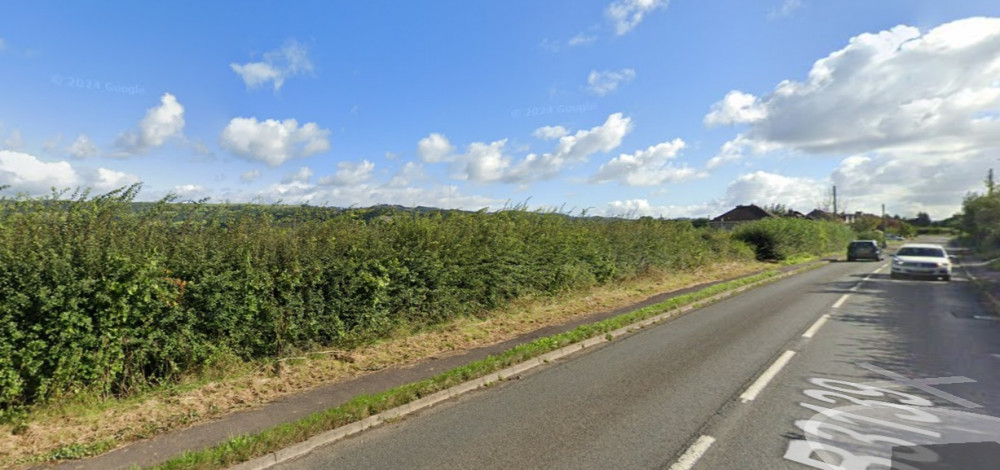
x: 742, y: 213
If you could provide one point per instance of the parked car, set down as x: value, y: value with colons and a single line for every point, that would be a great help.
x: 921, y: 260
x: 864, y: 249
x: 894, y: 237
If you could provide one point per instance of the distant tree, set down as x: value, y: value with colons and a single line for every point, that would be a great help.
x: 923, y: 220
x: 777, y: 209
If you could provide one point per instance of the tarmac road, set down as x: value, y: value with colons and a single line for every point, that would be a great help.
x: 689, y: 394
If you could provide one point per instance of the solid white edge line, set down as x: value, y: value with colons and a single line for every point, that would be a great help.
x: 841, y: 300
x: 816, y: 326
x: 762, y: 381
x: 693, y: 453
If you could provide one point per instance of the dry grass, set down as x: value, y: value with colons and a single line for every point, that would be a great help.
x: 244, y: 386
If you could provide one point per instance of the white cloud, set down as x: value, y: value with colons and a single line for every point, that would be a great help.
x: 486, y: 162
x: 3, y: 44
x: 786, y: 8
x: 26, y: 173
x: 765, y: 188
x: 14, y: 141
x: 649, y: 167
x: 406, y: 176
x: 633, y: 208
x: 103, y: 180
x: 736, y: 108
x: 735, y: 150
x: 82, y: 147
x: 301, y: 176
x: 581, y: 40
x: 625, y: 15
x: 161, y: 123
x: 895, y: 90
x: 349, y: 174
x: 273, y: 142
x: 550, y: 132
x: 435, y: 148
x: 606, y: 81
x: 190, y: 192
x: 250, y: 176
x: 571, y: 149
x: 290, y: 60
x: 897, y: 102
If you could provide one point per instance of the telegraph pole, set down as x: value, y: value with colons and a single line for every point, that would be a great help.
x: 834, y: 200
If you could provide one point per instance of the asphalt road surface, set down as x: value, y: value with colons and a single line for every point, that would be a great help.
x: 837, y: 368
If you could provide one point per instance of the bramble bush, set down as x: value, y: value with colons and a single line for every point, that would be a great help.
x: 102, y: 295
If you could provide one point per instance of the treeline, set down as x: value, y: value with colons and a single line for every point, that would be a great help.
x: 102, y: 295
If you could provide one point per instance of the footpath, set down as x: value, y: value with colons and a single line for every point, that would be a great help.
x: 162, y: 447
x: 165, y: 446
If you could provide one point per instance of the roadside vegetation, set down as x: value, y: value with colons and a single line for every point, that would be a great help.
x: 104, y: 300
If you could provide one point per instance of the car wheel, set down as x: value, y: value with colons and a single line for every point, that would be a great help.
x: 894, y: 275
x: 946, y: 277
x: 849, y: 259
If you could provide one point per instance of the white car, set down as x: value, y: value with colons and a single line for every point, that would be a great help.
x: 923, y: 260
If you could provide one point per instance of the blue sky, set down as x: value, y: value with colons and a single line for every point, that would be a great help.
x: 617, y: 107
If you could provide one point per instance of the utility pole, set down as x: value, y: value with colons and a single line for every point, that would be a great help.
x: 835, y: 200
x: 883, y: 219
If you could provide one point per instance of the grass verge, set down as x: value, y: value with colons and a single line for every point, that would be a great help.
x: 246, y: 447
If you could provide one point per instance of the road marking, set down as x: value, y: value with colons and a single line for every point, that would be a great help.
x: 816, y: 326
x: 766, y: 377
x: 996, y: 356
x: 925, y: 384
x: 693, y: 453
x: 841, y: 300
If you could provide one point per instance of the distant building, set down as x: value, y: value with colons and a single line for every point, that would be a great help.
x: 741, y: 214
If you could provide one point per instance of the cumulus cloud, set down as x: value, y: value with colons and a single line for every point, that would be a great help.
x: 919, y: 102
x: 550, y: 132
x: 410, y: 173
x: 190, y: 192
x: 736, y: 108
x: 301, y: 176
x: 625, y: 15
x: 104, y: 180
x: 633, y: 208
x: 765, y: 188
x: 349, y: 174
x: 273, y: 142
x: 82, y: 147
x: 434, y: 148
x: 649, y: 167
x: 736, y: 150
x: 485, y: 162
x: 250, y: 176
x: 892, y: 90
x: 26, y: 173
x: 161, y: 123
x: 571, y: 149
x: 290, y: 60
x: 606, y: 81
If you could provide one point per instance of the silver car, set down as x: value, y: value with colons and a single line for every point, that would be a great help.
x: 921, y: 260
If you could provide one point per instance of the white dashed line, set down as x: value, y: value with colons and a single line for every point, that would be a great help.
x: 693, y: 453
x: 841, y: 300
x: 816, y: 326
x: 766, y: 377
